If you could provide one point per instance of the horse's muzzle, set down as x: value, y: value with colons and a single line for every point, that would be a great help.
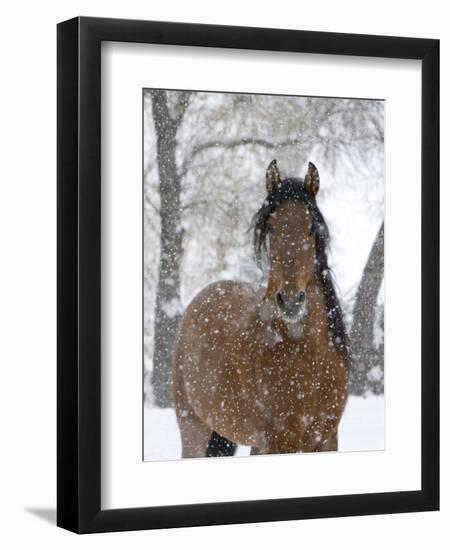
x: 292, y: 307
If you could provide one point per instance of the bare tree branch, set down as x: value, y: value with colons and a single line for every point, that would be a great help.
x: 181, y: 106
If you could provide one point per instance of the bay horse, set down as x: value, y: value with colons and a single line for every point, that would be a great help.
x: 267, y: 368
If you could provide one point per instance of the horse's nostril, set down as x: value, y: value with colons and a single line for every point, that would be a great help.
x: 280, y: 300
x: 301, y: 297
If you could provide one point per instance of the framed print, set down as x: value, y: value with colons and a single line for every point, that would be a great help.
x: 248, y: 303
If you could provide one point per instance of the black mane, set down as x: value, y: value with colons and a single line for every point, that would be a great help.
x: 294, y: 189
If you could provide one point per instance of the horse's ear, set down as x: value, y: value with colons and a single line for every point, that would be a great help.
x: 273, y: 178
x: 312, y: 181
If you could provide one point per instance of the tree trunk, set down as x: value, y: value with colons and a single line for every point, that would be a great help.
x: 167, y: 310
x: 362, y: 349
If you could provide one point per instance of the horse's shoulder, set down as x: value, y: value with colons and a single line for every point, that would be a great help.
x: 227, y: 288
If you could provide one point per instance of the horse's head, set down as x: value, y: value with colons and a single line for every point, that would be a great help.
x: 291, y: 229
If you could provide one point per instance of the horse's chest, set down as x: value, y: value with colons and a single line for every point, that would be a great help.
x: 294, y: 375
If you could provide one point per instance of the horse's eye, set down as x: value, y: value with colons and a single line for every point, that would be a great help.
x: 312, y: 230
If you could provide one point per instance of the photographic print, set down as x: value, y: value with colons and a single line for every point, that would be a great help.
x: 263, y: 273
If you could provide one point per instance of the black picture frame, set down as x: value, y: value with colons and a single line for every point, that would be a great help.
x: 79, y: 281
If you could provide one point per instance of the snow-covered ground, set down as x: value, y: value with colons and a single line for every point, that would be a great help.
x: 361, y: 429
